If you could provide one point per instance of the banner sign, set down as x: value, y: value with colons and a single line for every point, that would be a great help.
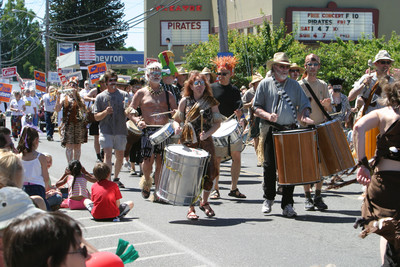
x: 53, y: 77
x: 5, y: 92
x: 96, y: 70
x: 9, y: 72
x: 40, y: 81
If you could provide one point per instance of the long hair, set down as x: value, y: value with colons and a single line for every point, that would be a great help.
x: 28, y: 136
x: 10, y: 165
x: 391, y: 94
x: 187, y: 90
x: 75, y: 167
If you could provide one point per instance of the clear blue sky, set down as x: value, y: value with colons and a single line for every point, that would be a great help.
x: 132, y: 8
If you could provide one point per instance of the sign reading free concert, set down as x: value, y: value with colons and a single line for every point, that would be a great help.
x: 184, y: 32
x: 325, y: 24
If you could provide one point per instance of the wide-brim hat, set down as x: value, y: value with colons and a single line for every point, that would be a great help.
x: 122, y: 82
x: 279, y: 58
x: 294, y: 66
x: 206, y: 71
x: 383, y: 54
x: 256, y: 78
x: 182, y: 71
x: 14, y: 203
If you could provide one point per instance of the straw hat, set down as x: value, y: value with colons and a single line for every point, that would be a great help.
x: 182, y: 71
x: 382, y: 54
x: 206, y: 71
x: 256, y: 78
x: 279, y: 58
x: 121, y: 81
x: 294, y: 66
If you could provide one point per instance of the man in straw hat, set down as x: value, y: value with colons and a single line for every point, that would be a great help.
x: 254, y: 121
x: 230, y: 101
x: 275, y: 102
x: 320, y: 88
x: 362, y: 88
x: 295, y: 71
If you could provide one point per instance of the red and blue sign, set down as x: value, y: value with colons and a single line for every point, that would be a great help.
x: 96, y: 70
x: 5, y: 92
x: 40, y: 80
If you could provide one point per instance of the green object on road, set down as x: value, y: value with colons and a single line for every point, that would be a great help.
x: 130, y: 254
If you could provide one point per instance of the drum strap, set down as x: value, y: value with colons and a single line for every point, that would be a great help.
x: 282, y: 92
x: 169, y: 106
x: 317, y: 100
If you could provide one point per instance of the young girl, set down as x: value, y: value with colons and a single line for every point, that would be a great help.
x: 36, y: 177
x: 76, y: 177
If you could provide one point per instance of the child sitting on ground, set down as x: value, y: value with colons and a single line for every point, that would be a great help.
x: 105, y: 203
x: 76, y: 177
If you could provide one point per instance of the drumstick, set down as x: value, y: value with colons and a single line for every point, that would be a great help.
x: 161, y: 113
x: 201, y: 117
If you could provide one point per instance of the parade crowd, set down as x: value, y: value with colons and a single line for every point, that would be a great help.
x: 170, y: 114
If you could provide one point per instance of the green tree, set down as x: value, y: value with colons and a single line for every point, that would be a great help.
x: 21, y: 39
x: 88, y: 21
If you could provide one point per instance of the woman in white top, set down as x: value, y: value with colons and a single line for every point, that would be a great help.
x: 17, y: 107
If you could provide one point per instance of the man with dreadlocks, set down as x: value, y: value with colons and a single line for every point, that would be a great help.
x: 230, y: 101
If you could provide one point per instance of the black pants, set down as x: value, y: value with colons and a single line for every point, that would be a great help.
x: 269, y: 184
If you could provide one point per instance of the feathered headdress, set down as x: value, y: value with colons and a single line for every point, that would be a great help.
x: 226, y: 62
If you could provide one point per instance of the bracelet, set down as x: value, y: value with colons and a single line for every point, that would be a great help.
x: 364, y: 162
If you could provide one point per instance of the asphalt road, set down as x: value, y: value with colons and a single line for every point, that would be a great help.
x: 239, y: 234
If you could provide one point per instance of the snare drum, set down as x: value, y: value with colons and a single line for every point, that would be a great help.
x: 182, y: 173
x: 296, y: 156
x: 228, y: 133
x: 161, y: 135
x: 333, y: 147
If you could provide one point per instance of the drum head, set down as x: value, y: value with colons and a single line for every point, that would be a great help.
x: 162, y: 130
x: 226, y: 128
x: 295, y: 131
x: 132, y: 127
x: 187, y: 151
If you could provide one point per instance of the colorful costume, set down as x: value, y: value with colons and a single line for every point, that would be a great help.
x: 73, y: 130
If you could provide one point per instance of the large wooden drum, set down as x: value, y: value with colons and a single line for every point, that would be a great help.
x: 296, y: 156
x: 333, y: 147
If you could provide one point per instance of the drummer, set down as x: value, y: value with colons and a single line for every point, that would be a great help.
x: 277, y: 111
x: 198, y: 129
x: 230, y: 101
x: 152, y: 100
x: 320, y: 88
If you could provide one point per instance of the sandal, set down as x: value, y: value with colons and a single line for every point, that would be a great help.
x: 191, y: 215
x: 207, y: 209
x: 145, y: 194
x: 236, y: 193
x: 215, y: 194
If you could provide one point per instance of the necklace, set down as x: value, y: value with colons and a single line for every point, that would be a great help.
x: 154, y: 93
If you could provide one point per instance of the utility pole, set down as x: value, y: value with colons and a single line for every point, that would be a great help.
x: 47, y: 39
x: 223, y: 27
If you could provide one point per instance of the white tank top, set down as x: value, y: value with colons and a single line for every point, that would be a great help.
x: 33, y: 171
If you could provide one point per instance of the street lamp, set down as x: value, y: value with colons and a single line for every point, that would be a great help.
x: 46, y: 21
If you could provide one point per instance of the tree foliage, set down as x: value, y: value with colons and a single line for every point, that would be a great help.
x: 21, y: 39
x: 340, y: 59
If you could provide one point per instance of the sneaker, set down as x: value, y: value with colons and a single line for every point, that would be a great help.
x: 49, y: 138
x: 127, y: 165
x: 309, y: 204
x: 124, y: 212
x: 319, y: 203
x: 116, y: 220
x: 266, y: 208
x: 119, y: 183
x: 288, y: 211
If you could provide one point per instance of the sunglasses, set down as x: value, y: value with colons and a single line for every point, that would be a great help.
x: 384, y: 62
x: 283, y: 67
x: 82, y: 250
x: 313, y: 64
x: 201, y: 82
x: 155, y: 73
x: 222, y: 73
x: 294, y: 71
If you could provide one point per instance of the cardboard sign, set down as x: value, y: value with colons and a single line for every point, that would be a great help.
x: 53, y: 77
x: 9, y: 72
x: 5, y: 92
x: 96, y: 70
x: 40, y: 81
